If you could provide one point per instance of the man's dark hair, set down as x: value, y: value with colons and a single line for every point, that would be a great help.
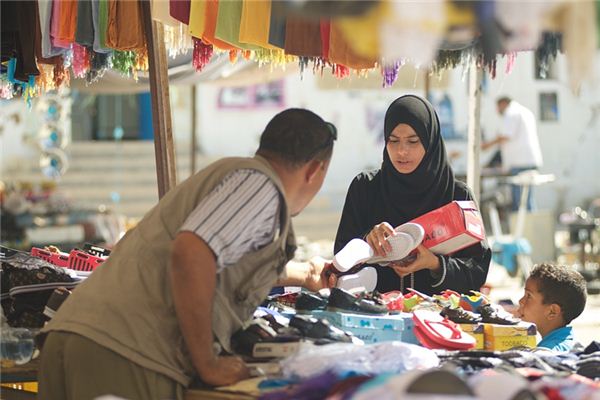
x: 561, y: 285
x: 503, y: 99
x: 296, y: 136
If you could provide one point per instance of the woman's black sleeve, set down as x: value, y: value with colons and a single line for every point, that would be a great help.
x: 351, y: 221
x: 466, y: 269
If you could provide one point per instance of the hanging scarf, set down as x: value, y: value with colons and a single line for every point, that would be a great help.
x: 180, y: 10
x: 64, y: 22
x: 125, y: 27
x: 303, y: 37
x: 431, y: 185
x: 212, y: 13
x: 197, y: 18
x: 228, y: 24
x: 84, y: 34
x: 255, y: 23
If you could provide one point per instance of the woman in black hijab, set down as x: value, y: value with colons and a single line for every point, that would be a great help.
x: 415, y: 178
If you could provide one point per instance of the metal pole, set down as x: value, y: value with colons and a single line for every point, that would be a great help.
x: 474, y: 130
x: 161, y: 107
x: 194, y: 139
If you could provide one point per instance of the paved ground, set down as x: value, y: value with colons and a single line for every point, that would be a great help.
x: 586, y: 326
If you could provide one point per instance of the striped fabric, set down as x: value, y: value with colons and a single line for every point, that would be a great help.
x: 239, y: 216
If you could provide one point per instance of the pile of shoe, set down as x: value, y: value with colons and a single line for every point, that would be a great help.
x: 371, y: 303
x: 272, y: 335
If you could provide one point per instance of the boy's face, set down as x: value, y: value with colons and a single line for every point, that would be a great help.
x: 532, y: 307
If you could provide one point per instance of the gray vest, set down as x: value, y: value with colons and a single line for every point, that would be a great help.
x: 127, y: 306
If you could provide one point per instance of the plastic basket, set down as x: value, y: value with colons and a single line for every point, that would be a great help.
x: 58, y: 259
x: 82, y: 261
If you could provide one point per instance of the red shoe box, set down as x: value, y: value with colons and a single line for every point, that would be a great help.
x: 451, y: 228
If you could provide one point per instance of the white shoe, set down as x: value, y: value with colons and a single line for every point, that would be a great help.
x: 365, y: 279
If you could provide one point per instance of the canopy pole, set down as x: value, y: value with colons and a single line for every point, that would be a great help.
x: 474, y: 130
x: 194, y: 139
x: 166, y: 173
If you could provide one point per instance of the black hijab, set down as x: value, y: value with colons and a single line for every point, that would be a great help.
x: 431, y: 185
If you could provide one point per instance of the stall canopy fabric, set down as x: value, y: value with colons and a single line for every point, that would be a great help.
x: 85, y: 38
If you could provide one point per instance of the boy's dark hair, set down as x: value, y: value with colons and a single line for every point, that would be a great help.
x: 503, y: 99
x: 561, y: 285
x: 296, y: 136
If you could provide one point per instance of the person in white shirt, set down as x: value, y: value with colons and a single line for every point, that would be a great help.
x: 519, y: 144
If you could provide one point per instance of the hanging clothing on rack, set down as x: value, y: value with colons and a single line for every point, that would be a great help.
x: 228, y: 24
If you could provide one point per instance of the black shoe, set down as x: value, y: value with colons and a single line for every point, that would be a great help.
x: 342, y: 300
x: 310, y: 302
x: 493, y: 315
x: 460, y: 315
x: 319, y: 329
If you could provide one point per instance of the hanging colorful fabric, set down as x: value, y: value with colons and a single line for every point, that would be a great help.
x: 390, y: 73
x: 18, y: 36
x: 212, y: 12
x: 125, y: 28
x: 67, y: 22
x: 341, y: 53
x: 228, y: 24
x: 102, y: 23
x: 180, y: 10
x: 202, y: 54
x: 362, y: 32
x: 124, y: 62
x: 38, y: 44
x: 277, y: 25
x: 84, y: 34
x: 303, y: 37
x: 255, y: 23
x: 81, y: 61
x: 99, y: 63
x: 197, y: 19
x: 45, y: 16
x: 325, y: 28
x: 55, y: 26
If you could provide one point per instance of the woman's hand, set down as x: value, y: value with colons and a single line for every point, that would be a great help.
x: 377, y: 238
x: 425, y: 260
x: 320, y: 275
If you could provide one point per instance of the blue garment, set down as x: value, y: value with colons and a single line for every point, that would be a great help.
x: 561, y: 339
x: 517, y: 189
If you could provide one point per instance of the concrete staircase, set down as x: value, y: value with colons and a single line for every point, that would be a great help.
x: 122, y: 177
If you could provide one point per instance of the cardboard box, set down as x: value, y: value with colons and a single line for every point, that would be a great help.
x: 373, y: 328
x: 451, y: 228
x: 275, y: 349
x: 475, y: 330
x: 506, y: 337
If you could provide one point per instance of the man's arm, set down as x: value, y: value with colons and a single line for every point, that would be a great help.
x: 193, y: 278
x: 312, y: 275
x: 498, y: 140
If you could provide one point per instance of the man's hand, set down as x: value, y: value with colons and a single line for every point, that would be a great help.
x: 313, y: 275
x: 223, y: 370
x: 377, y: 238
x: 425, y: 260
x: 320, y: 275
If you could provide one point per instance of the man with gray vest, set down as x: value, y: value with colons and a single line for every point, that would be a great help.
x: 163, y: 307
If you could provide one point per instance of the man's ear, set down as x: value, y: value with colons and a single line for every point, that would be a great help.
x: 312, y: 168
x: 554, y: 312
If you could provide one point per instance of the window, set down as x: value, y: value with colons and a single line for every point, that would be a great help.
x: 549, y: 106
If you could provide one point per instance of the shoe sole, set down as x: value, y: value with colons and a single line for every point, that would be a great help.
x: 365, y: 278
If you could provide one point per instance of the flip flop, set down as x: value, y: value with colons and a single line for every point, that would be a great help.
x: 416, y: 231
x: 402, y: 244
x: 355, y: 252
x: 442, y: 331
x: 365, y: 278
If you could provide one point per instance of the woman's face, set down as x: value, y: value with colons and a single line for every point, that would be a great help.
x: 405, y: 149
